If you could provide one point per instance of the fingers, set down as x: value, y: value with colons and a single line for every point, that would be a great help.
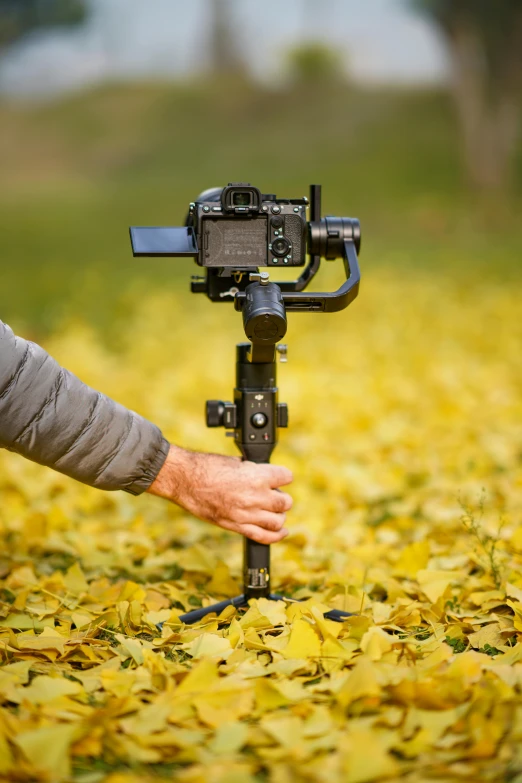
x: 269, y: 521
x: 279, y: 502
x: 278, y: 476
x: 263, y: 536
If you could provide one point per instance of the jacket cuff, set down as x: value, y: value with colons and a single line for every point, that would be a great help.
x: 151, y: 470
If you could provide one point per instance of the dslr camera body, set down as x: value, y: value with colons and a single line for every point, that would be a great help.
x: 233, y: 231
x: 234, y: 227
x: 246, y: 228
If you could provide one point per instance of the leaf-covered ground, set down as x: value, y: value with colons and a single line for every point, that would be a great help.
x: 406, y: 443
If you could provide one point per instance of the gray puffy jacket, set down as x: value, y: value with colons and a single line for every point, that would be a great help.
x: 51, y: 417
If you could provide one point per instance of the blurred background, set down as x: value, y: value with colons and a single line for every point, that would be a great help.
x: 118, y: 112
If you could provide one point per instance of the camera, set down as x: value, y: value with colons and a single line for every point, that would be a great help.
x: 233, y: 231
x: 234, y: 227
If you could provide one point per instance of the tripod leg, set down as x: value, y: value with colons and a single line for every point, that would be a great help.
x: 337, y: 615
x: 333, y: 614
x: 199, y: 614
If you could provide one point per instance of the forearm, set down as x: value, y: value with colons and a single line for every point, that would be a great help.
x: 51, y: 417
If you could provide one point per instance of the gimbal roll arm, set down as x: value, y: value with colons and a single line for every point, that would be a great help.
x: 327, y: 302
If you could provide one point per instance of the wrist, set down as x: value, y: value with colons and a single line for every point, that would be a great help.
x: 173, y: 474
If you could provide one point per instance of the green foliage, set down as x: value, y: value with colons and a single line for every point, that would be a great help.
x: 488, y: 544
x: 78, y: 172
x: 457, y: 645
x: 314, y: 62
x: 493, y: 22
x: 19, y: 17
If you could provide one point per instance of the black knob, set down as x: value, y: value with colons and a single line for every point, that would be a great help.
x: 215, y: 413
x: 259, y: 420
x: 282, y: 414
x: 280, y: 246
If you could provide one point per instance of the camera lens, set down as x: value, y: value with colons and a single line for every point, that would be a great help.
x: 241, y: 199
x: 280, y: 247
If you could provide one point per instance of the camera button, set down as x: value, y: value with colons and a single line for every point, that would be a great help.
x: 216, y: 209
x: 276, y: 209
x: 206, y: 208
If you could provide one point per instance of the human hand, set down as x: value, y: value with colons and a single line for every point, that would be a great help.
x: 236, y: 495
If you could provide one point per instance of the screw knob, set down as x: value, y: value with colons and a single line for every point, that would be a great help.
x: 215, y: 412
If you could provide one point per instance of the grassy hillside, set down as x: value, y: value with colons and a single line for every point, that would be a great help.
x: 77, y: 172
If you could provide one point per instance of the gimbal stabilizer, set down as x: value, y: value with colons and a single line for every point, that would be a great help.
x: 256, y: 415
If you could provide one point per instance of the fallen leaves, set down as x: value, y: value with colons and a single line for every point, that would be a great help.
x: 100, y: 681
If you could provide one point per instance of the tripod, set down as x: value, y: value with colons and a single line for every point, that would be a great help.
x: 255, y: 416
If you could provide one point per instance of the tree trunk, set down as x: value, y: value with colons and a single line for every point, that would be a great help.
x: 224, y: 57
x: 487, y: 103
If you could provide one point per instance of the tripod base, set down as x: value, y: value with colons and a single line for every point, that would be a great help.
x: 241, y: 600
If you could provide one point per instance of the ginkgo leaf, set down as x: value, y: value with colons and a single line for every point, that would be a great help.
x: 375, y: 643
x: 434, y: 582
x: 228, y: 739
x: 75, y: 580
x: 423, y: 680
x: 362, y: 681
x: 44, y: 689
x: 303, y: 643
x: 207, y: 645
x: 47, y: 748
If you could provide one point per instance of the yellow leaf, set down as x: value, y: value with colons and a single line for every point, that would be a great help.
x: 44, y: 689
x: 235, y: 633
x: 6, y: 757
x: 303, y: 642
x: 75, y: 581
x: 366, y: 758
x: 254, y: 619
x: 488, y: 634
x: 268, y: 695
x: 228, y: 739
x: 362, y: 681
x: 222, y: 583
x: 132, y: 648
x: 223, y: 705
x: 47, y: 749
x: 413, y: 558
x: 208, y: 645
x: 375, y: 643
x: 200, y: 678
x: 80, y: 619
x: 466, y: 666
x: 328, y: 628
x: 433, y: 582
x: 287, y: 731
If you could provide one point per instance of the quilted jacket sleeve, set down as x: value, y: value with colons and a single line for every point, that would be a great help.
x: 51, y: 417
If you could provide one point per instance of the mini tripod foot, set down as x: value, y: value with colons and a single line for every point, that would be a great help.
x: 198, y: 614
x: 241, y: 601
